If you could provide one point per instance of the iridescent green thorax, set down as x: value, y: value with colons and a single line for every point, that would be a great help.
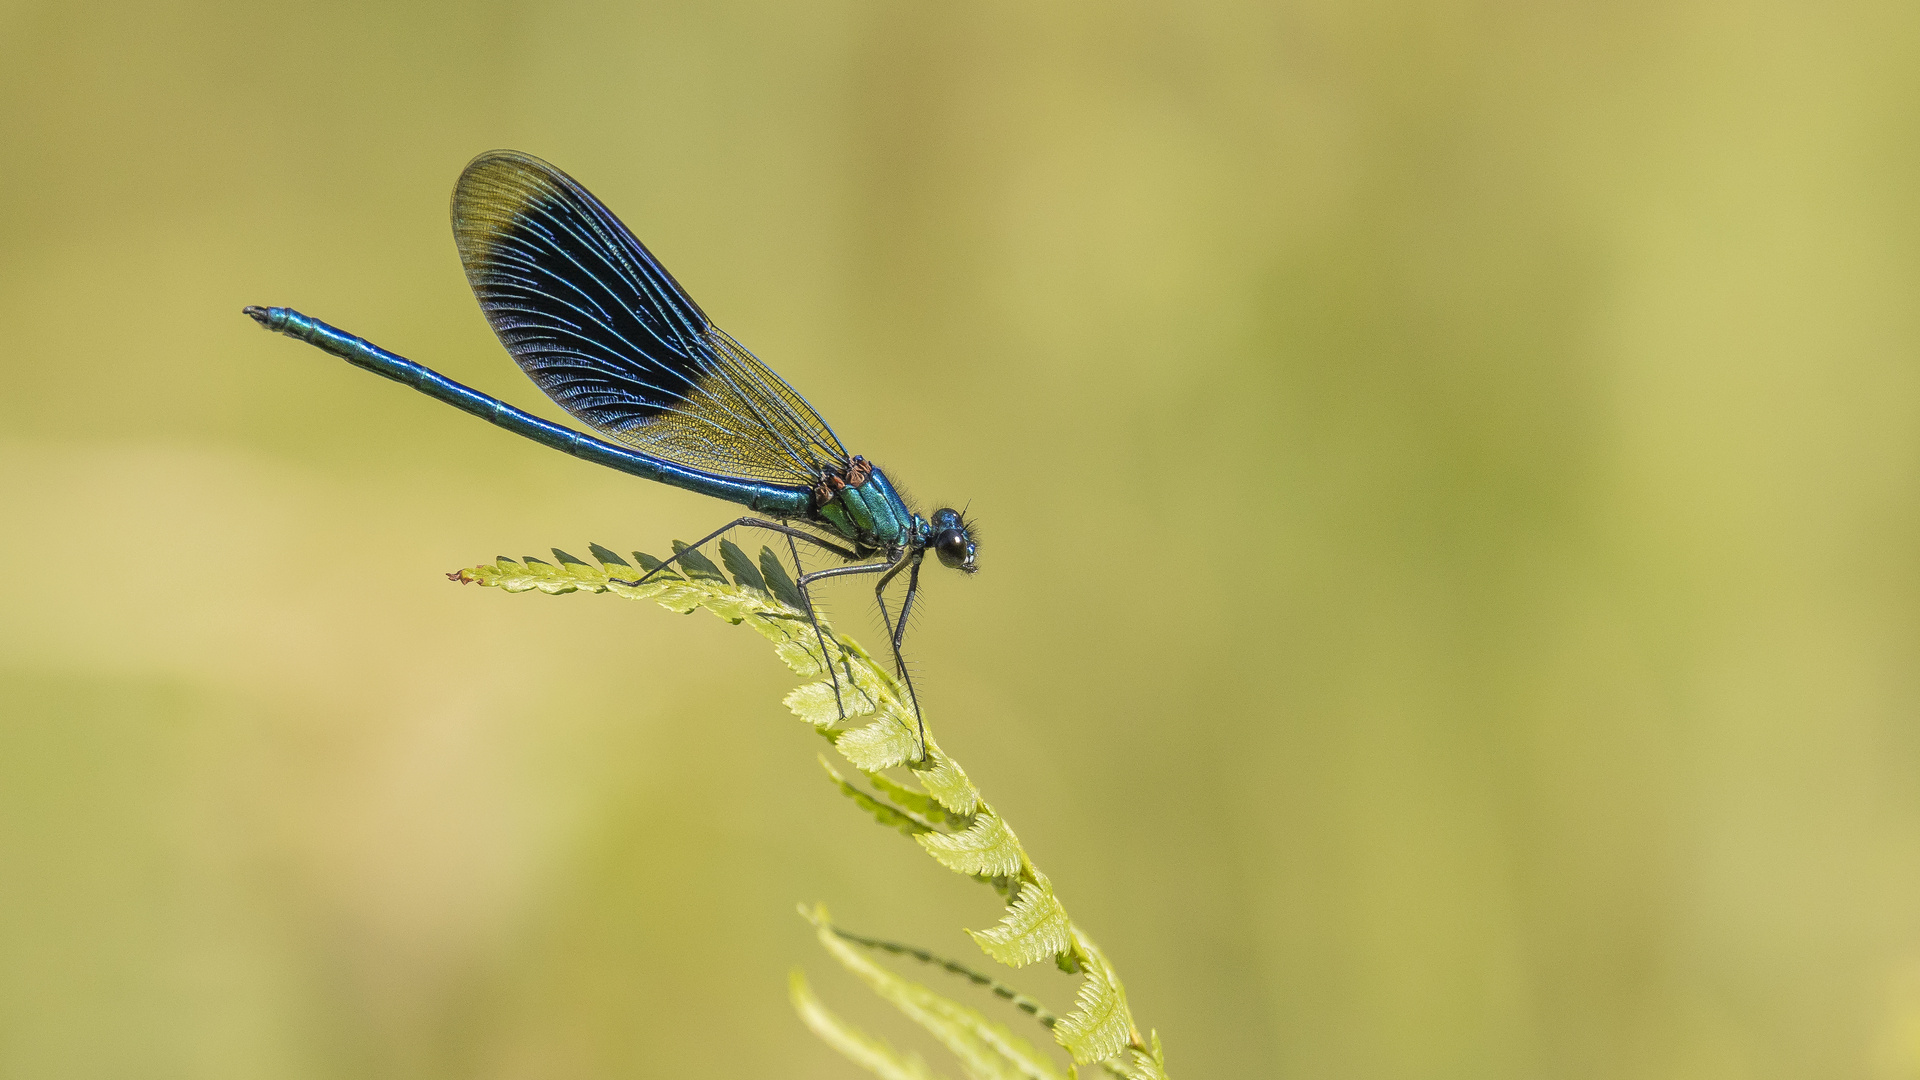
x: 863, y: 507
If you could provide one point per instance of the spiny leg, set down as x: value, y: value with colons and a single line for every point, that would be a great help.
x: 889, y: 569
x: 897, y: 633
x: 746, y: 522
x: 792, y: 534
x: 842, y: 571
x: 906, y: 606
x: 886, y: 616
x: 806, y: 597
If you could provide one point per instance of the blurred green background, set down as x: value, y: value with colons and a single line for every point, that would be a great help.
x: 1452, y: 546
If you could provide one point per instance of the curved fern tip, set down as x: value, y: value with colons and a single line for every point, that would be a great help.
x: 870, y: 719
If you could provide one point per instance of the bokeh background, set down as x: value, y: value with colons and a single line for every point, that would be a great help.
x: 1448, y: 474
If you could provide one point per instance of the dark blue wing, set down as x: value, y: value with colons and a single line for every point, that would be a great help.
x: 601, y: 327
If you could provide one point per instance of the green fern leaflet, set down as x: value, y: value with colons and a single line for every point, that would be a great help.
x: 931, y: 800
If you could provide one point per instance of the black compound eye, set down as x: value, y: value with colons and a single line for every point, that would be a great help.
x: 951, y: 545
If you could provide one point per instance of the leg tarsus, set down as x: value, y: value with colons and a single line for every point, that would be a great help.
x: 801, y: 578
x: 906, y: 606
x: 788, y: 531
x: 806, y: 597
x: 896, y: 633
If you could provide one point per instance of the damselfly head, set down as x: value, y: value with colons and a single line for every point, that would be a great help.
x: 952, y: 540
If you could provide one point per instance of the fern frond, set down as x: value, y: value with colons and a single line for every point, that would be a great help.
x: 606, y: 557
x: 1146, y: 1064
x: 651, y: 565
x: 817, y: 704
x: 525, y: 576
x: 697, y: 566
x: 986, y: 1049
x: 745, y: 573
x: 988, y: 849
x: 884, y: 814
x: 870, y: 1053
x: 1013, y: 997
x: 918, y: 802
x: 888, y: 741
x: 1101, y: 1027
x: 946, y: 781
x: 948, y: 817
x: 1036, y: 927
x: 778, y: 583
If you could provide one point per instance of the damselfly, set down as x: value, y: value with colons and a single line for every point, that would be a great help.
x: 601, y: 327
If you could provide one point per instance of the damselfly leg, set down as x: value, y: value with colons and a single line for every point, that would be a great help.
x: 888, y: 570
x: 800, y: 580
x: 743, y: 523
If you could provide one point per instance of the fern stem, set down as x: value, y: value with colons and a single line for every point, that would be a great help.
x: 1016, y: 998
x: 975, y: 841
